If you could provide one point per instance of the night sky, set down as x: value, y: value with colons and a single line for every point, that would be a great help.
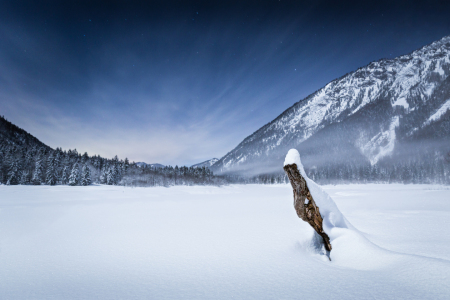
x: 179, y: 82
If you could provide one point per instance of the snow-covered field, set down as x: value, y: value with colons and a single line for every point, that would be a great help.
x: 241, y: 242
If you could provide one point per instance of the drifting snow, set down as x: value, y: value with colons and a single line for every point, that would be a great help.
x: 242, y: 242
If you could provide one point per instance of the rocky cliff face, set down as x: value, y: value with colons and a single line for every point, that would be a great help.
x: 373, y: 114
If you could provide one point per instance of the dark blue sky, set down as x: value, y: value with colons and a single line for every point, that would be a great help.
x: 179, y: 82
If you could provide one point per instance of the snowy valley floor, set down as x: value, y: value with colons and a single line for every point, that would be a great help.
x: 233, y: 242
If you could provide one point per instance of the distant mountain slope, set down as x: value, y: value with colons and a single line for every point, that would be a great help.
x: 11, y: 134
x: 391, y: 108
x: 207, y: 163
x: 157, y: 166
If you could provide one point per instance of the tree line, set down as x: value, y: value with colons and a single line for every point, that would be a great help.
x: 169, y: 176
x: 37, y: 165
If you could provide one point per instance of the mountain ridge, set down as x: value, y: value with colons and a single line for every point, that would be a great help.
x: 155, y: 165
x: 408, y: 82
x: 208, y: 163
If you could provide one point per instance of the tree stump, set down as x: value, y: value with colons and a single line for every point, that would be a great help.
x: 304, y: 204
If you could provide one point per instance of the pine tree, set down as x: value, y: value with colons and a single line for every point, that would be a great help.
x: 13, y: 174
x: 84, y: 158
x: 116, y: 173
x: 24, y: 177
x: 65, y: 175
x: 127, y: 165
x: 104, y: 176
x: 50, y: 178
x: 38, y: 171
x: 74, y: 175
x: 57, y: 164
x: 110, y: 176
x: 85, y: 175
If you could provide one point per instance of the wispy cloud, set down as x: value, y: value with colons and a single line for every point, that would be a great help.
x: 172, y: 86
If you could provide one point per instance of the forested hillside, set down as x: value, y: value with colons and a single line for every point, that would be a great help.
x: 27, y: 161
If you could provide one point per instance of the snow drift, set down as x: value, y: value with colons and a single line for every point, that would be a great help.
x: 350, y: 247
x: 202, y: 242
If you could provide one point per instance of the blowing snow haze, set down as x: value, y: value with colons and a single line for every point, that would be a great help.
x: 180, y: 82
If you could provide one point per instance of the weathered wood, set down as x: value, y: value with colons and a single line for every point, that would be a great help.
x: 304, y: 204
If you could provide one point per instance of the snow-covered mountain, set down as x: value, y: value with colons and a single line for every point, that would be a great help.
x: 389, y: 108
x: 155, y: 166
x: 207, y: 163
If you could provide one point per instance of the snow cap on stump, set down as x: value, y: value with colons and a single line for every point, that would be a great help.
x: 330, y: 213
x: 293, y: 157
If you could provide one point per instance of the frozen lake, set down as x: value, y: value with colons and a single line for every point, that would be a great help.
x: 239, y: 241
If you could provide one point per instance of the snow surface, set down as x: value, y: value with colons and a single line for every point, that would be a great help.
x: 382, y: 144
x: 293, y: 157
x: 239, y: 241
